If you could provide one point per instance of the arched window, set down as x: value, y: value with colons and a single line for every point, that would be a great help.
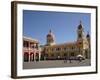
x: 26, y: 57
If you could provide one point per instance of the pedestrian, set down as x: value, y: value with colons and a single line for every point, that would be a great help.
x: 65, y: 59
x: 70, y: 60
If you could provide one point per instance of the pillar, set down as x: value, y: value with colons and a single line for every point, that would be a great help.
x: 39, y: 55
x: 29, y: 51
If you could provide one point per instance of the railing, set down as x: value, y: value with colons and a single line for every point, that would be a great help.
x: 30, y: 49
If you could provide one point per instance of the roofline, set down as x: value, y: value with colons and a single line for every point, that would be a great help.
x: 30, y: 39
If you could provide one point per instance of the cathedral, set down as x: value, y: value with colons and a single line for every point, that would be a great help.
x: 54, y: 51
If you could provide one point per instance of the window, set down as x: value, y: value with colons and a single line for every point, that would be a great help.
x: 80, y: 35
x: 80, y: 43
x: 52, y: 55
x: 36, y: 46
x: 72, y: 54
x: 73, y: 47
x: 65, y: 48
x: 58, y: 49
x: 25, y: 44
x: 65, y: 54
x: 52, y: 49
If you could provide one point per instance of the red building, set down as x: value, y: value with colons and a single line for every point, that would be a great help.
x: 31, y: 50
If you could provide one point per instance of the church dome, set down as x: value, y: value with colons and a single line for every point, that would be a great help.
x: 50, y: 34
x: 87, y: 35
x: 80, y: 25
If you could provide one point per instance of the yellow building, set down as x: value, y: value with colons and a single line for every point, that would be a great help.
x: 81, y: 46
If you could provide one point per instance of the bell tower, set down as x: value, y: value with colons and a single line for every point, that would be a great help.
x: 50, y: 38
x: 80, y: 32
x: 82, y: 40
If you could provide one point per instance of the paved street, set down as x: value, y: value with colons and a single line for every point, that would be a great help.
x: 55, y: 63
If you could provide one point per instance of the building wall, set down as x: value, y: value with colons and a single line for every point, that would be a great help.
x: 80, y: 47
x: 65, y: 50
x: 31, y: 50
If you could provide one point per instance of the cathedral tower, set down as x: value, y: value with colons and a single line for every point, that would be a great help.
x: 82, y: 41
x: 50, y: 38
x: 80, y: 32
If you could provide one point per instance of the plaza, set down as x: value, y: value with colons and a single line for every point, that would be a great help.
x: 56, y: 64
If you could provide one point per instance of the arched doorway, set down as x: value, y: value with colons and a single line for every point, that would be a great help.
x: 26, y: 57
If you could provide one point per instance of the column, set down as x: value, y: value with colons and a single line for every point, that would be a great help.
x: 34, y: 55
x: 39, y: 55
x: 29, y: 50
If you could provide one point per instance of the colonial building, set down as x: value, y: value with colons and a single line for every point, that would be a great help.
x: 81, y: 46
x: 31, y: 50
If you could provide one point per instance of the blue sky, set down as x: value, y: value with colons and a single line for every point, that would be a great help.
x: 36, y: 24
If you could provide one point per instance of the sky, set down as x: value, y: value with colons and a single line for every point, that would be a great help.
x: 36, y: 24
